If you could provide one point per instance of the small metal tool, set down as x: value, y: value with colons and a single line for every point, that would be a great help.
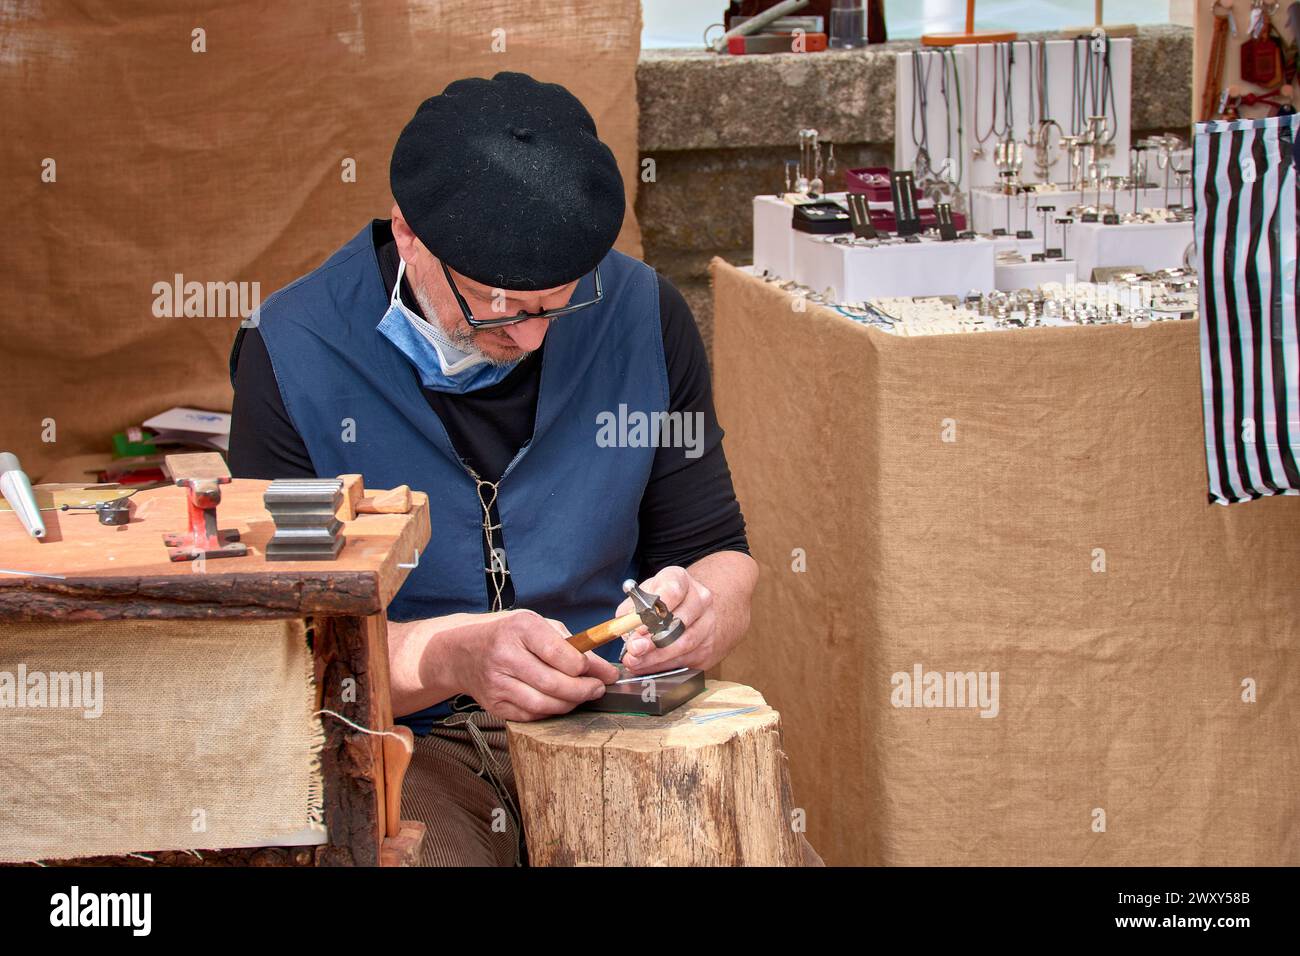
x: 202, y: 474
x: 649, y: 610
x: 17, y: 490
x: 114, y: 512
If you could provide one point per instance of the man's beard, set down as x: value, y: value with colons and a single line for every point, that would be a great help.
x: 462, y: 336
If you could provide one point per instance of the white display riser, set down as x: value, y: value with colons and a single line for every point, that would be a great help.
x: 1148, y: 246
x: 989, y: 207
x: 774, y: 236
x: 857, y: 273
x: 1030, y: 275
x: 938, y: 268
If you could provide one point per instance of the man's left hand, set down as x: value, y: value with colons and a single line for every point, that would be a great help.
x: 689, y: 600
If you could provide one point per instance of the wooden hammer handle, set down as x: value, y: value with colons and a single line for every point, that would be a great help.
x: 604, y: 633
x: 356, y: 500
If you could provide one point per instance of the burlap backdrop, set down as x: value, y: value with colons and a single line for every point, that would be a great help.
x: 1120, y: 690
x: 224, y: 166
x: 204, y: 738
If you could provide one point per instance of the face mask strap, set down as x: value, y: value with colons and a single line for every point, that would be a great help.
x: 396, y: 297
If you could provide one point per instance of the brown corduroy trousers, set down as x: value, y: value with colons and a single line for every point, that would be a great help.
x: 461, y: 786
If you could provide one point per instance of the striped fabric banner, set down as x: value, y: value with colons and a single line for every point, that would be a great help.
x: 1246, y: 225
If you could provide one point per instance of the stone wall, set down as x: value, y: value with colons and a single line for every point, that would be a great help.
x: 719, y: 129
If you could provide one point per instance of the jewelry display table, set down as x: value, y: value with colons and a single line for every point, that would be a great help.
x: 1028, y: 508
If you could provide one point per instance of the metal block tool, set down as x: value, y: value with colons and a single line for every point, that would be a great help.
x: 306, y: 526
x: 652, y: 694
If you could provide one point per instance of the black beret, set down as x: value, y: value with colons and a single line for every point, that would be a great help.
x: 505, y: 181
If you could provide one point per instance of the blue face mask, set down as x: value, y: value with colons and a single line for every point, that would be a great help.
x: 443, y: 367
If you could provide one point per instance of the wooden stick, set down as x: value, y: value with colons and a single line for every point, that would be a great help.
x: 970, y: 17
x: 604, y: 633
x: 397, y: 757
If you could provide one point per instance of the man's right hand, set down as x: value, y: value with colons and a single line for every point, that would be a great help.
x: 519, y: 667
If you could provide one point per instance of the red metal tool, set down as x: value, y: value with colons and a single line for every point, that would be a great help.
x: 202, y: 475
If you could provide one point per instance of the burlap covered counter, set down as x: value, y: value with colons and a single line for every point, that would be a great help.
x: 1030, y: 504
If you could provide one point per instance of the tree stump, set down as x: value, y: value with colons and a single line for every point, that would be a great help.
x: 624, y: 790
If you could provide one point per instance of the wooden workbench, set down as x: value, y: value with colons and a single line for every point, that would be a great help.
x: 113, y: 573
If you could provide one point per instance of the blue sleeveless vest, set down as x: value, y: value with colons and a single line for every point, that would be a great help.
x: 568, y: 506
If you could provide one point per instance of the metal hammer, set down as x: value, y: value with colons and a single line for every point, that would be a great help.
x: 664, y: 626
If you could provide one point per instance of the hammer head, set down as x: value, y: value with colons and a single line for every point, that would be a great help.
x: 664, y: 626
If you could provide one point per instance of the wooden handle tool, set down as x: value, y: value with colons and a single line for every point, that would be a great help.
x: 358, y: 500
x: 593, y: 637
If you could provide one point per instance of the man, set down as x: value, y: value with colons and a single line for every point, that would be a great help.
x: 478, y: 347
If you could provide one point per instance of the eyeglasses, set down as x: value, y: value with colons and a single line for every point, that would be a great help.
x: 521, y: 315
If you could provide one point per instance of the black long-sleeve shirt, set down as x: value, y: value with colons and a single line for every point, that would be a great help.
x: 689, y: 508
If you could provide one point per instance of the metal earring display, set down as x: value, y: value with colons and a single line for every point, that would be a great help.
x: 1045, y: 212
x: 1183, y: 176
x: 1065, y: 222
x: 903, y: 184
x: 1165, y: 147
x: 807, y: 160
x: 1137, y: 173
x: 1115, y: 182
x: 860, y: 216
x: 947, y: 228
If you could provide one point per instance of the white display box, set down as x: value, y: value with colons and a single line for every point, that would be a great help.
x: 928, y: 267
x: 774, y: 236
x: 1030, y: 275
x: 1146, y: 245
